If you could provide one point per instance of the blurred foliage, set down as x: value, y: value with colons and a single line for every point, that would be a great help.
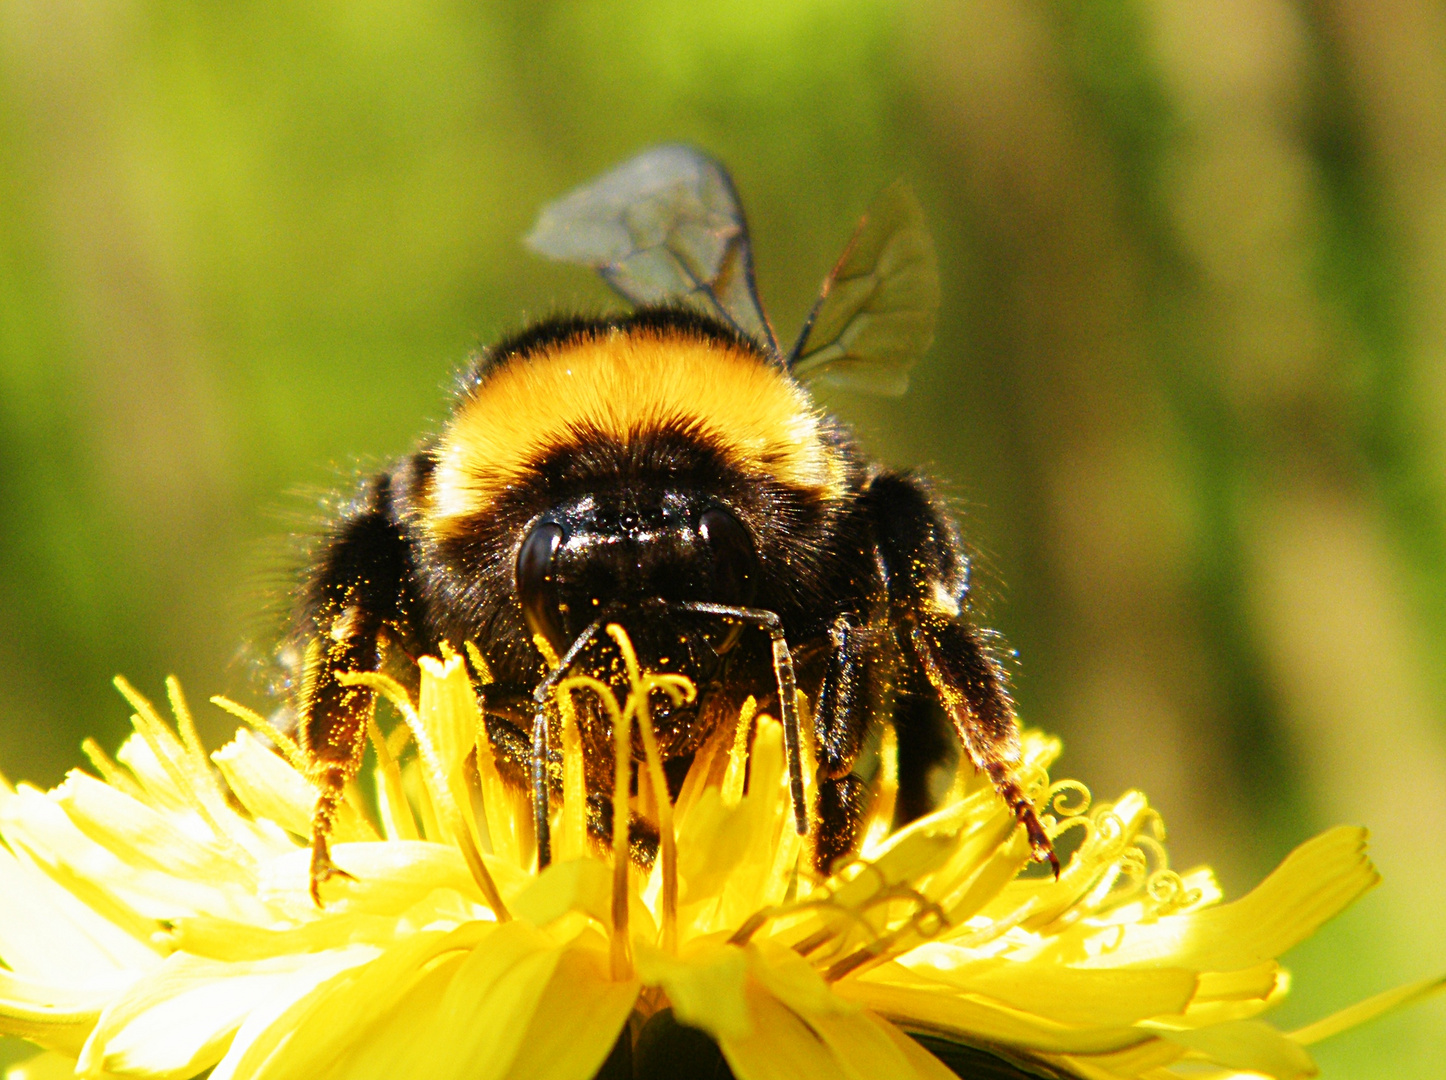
x: 1189, y: 388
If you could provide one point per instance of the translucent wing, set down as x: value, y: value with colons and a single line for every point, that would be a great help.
x: 876, y: 313
x: 665, y: 227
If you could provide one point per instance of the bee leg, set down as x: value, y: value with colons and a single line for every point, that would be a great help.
x: 839, y: 723
x: 841, y: 804
x: 928, y: 584
x: 643, y: 836
x: 357, y: 592
x: 841, y: 715
x: 334, y: 733
x: 926, y: 743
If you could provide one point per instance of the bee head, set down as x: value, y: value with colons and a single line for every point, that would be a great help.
x: 603, y: 552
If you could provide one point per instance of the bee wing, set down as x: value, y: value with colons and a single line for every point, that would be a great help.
x: 876, y: 313
x: 665, y: 227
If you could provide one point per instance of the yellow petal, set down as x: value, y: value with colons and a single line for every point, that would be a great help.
x: 447, y: 707
x: 779, y: 1045
x: 706, y: 988
x: 25, y: 993
x: 157, y: 783
x: 791, y: 979
x: 388, y: 878
x: 84, y: 880
x: 576, y: 1021
x: 225, y: 939
x: 1253, y: 982
x: 575, y: 885
x: 1315, y: 882
x: 179, y: 1020
x: 1136, y: 1061
x: 925, y: 1064
x: 760, y: 820
x: 174, y: 855
x: 1248, y: 1045
x: 865, y: 1044
x: 58, y: 1018
x: 309, y: 1035
x: 50, y: 1065
x: 489, y: 1005
x: 911, y: 853
x: 48, y: 934
x: 977, y: 1019
x: 1369, y: 1009
x: 1070, y: 995
x: 1004, y: 862
x: 271, y: 789
x: 712, y: 841
x: 400, y: 1045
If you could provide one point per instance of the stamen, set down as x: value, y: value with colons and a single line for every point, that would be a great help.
x: 573, y: 842
x: 1057, y: 798
x: 186, y: 725
x: 574, y: 787
x: 441, y: 794
x: 479, y: 663
x: 622, y: 746
x: 737, y: 770
x: 397, y: 819
x: 282, y: 741
x: 638, y: 705
x: 111, y: 772
x: 189, y: 781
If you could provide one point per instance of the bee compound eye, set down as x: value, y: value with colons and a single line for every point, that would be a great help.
x: 536, y: 587
x: 735, y: 563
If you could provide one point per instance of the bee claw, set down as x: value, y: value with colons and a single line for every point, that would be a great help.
x: 323, y: 869
x: 1040, y: 845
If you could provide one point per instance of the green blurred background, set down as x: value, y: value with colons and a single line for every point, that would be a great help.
x: 1188, y: 391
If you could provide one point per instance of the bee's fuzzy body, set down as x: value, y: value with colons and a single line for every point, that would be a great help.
x: 668, y: 472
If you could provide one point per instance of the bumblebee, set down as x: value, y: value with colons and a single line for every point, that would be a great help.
x: 667, y: 470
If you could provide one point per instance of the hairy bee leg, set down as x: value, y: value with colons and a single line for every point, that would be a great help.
x: 643, y: 837
x: 925, y: 742
x: 928, y: 585
x: 841, y: 805
x: 332, y: 783
x: 840, y: 720
x: 334, y: 729
x: 972, y: 691
x: 356, y: 592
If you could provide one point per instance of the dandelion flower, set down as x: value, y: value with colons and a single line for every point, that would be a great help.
x: 155, y: 920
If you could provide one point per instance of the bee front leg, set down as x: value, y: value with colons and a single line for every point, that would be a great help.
x: 927, y: 579
x: 334, y: 732
x: 359, y: 590
x: 971, y: 687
